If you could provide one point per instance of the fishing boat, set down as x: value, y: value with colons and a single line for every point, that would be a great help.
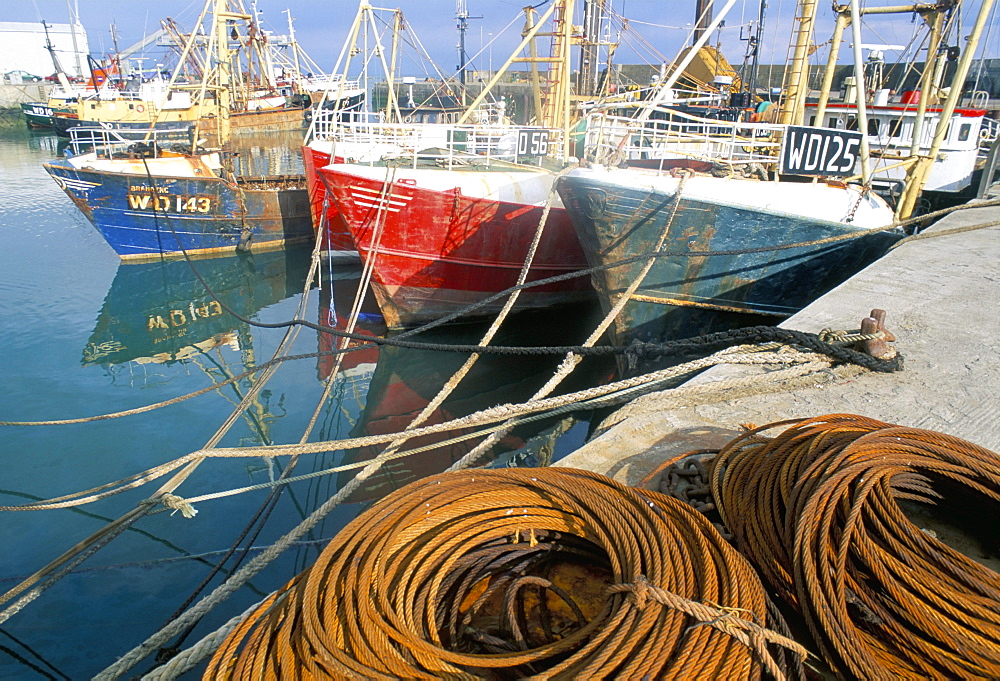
x: 698, y: 224
x: 224, y: 82
x: 710, y: 224
x: 150, y: 202
x: 446, y: 213
x: 38, y: 115
x: 62, y: 98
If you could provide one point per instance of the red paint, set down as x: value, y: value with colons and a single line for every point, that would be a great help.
x: 442, y: 250
x: 967, y: 113
x: 337, y: 237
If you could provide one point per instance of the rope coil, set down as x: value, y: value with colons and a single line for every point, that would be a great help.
x: 819, y: 509
x: 429, y: 583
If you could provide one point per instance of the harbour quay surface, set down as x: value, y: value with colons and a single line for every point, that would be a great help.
x: 940, y: 293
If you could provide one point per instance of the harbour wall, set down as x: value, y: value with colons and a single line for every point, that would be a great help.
x: 14, y: 94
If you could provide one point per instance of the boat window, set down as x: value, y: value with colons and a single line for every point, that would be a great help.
x: 895, y: 127
x: 852, y: 122
x: 964, y: 131
x: 873, y: 126
x: 131, y: 106
x: 835, y: 122
x: 812, y: 121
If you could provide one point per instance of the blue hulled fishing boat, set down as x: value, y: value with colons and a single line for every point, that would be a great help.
x: 148, y: 202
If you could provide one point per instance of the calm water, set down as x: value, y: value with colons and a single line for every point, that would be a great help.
x: 85, y: 336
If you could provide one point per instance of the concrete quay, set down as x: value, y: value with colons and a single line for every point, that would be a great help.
x: 942, y: 298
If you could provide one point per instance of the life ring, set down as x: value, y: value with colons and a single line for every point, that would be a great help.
x: 140, y: 108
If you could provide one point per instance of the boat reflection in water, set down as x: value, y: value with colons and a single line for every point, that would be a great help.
x: 406, y: 380
x: 161, y: 312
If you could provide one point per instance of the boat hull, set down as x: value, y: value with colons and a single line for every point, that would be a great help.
x: 38, y: 114
x: 622, y: 214
x: 147, y: 217
x: 441, y: 250
x: 337, y: 239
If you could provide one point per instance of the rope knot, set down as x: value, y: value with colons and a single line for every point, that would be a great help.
x: 177, y: 503
x: 636, y: 593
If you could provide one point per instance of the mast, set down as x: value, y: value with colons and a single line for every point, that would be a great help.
x: 702, y: 19
x: 536, y: 87
x: 861, y: 98
x: 793, y: 111
x: 51, y: 49
x: 917, y: 174
x: 462, y: 14
x: 73, y: 21
x: 594, y: 13
x: 755, y: 58
x: 118, y: 56
x: 842, y: 21
x: 295, y: 46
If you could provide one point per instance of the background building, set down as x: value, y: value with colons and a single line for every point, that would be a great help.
x: 23, y: 48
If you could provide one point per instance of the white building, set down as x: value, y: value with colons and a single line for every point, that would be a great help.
x: 22, y: 48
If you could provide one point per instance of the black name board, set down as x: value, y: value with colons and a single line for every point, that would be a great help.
x: 820, y: 151
x: 532, y: 142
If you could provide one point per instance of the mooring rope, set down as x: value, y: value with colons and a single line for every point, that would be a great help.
x: 465, y: 574
x: 236, y: 581
x: 573, y: 359
x: 682, y: 347
x: 817, y: 508
x: 582, y: 399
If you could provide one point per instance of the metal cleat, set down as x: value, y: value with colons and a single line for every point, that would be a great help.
x: 876, y: 347
x: 879, y: 316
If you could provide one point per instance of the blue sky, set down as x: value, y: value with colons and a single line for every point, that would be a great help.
x: 657, y: 30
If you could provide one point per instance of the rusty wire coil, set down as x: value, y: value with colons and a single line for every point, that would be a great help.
x: 510, y: 573
x: 821, y: 508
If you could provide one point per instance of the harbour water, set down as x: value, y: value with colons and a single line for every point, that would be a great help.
x: 86, y: 336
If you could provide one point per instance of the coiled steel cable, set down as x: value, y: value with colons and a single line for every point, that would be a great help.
x: 817, y: 510
x: 469, y: 575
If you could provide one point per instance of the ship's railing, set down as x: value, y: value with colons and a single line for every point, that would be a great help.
x: 111, y: 143
x: 364, y: 138
x: 612, y: 140
x: 989, y: 132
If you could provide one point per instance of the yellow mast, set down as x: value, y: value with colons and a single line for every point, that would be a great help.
x: 917, y: 173
x: 797, y: 85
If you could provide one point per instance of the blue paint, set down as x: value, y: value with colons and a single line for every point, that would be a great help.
x: 197, y: 215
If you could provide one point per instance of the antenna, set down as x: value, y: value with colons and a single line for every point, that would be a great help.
x: 462, y: 15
